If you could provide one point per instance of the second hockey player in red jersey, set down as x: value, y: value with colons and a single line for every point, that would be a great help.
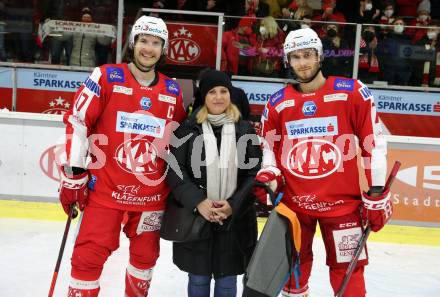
x: 120, y: 121
x: 310, y: 133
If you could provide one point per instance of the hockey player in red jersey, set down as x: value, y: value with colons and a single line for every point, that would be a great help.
x: 309, y: 134
x: 117, y: 131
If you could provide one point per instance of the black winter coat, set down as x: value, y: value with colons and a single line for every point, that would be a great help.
x: 229, y: 247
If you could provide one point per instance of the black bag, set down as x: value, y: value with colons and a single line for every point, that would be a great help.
x: 182, y: 225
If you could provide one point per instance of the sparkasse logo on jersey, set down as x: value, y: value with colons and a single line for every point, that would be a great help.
x: 314, y: 127
x: 138, y: 123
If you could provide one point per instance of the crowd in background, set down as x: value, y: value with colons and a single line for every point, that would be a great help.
x: 399, y: 44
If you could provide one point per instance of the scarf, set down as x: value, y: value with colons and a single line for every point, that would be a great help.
x: 221, y: 169
x: 368, y: 60
x: 430, y: 67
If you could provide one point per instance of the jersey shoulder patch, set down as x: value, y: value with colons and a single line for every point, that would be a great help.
x: 172, y: 87
x: 343, y: 84
x: 276, y: 97
x: 115, y: 74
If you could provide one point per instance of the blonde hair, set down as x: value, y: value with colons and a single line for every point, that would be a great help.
x: 231, y: 111
x: 271, y: 26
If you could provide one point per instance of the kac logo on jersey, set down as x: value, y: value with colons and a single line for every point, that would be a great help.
x: 314, y: 158
x: 343, y: 84
x: 137, y: 156
x: 309, y: 108
x: 115, y: 74
x: 145, y: 103
x: 172, y: 87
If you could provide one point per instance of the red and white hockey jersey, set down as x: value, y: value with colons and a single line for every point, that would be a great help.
x: 124, y: 127
x: 312, y: 138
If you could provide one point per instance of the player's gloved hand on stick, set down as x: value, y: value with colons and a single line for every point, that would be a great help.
x: 377, y: 208
x: 272, y: 177
x: 73, y: 189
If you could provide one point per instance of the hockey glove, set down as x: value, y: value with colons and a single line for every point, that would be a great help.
x: 377, y: 210
x: 273, y: 178
x: 73, y: 189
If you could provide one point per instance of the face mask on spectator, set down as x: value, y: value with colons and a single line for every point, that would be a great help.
x: 368, y: 6
x: 304, y: 26
x: 263, y: 30
x: 368, y: 36
x: 398, y: 28
x: 432, y: 34
x: 331, y: 32
x: 388, y: 12
x: 423, y: 17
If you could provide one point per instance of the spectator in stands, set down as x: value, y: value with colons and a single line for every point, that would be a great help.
x: 238, y: 47
x: 338, y: 57
x: 387, y: 18
x: 369, y: 70
x: 329, y: 13
x: 368, y: 13
x: 269, y: 48
x: 396, y: 67
x: 427, y: 73
x: 60, y: 43
x: 287, y: 23
x: 256, y: 8
x: 407, y: 8
x: 297, y: 10
x: 423, y: 19
x: 83, y: 51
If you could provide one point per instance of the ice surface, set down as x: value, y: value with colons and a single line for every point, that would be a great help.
x: 29, y: 249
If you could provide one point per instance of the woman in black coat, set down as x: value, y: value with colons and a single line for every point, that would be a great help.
x: 218, y: 187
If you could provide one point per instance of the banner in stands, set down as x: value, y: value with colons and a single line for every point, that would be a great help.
x: 192, y: 44
x: 258, y: 93
x: 5, y: 88
x: 51, y: 27
x: 47, y: 91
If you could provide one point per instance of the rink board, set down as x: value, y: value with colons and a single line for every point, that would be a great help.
x: 30, y: 158
x: 390, y: 234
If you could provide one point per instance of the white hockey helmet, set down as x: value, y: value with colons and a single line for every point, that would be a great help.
x: 151, y: 26
x: 301, y: 39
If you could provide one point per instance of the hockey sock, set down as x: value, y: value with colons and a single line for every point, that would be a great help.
x: 137, y: 281
x: 80, y: 288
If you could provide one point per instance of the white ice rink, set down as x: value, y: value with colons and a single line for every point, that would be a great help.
x: 29, y: 248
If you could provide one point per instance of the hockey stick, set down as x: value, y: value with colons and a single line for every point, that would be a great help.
x: 72, y: 214
x: 364, y: 237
